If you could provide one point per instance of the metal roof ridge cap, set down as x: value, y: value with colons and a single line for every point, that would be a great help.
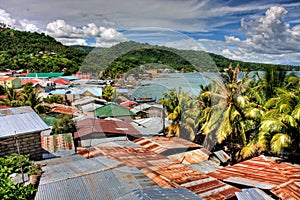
x: 87, y: 173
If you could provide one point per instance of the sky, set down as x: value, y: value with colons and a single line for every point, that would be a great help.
x: 253, y: 31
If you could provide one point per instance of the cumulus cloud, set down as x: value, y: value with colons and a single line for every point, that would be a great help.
x: 68, y: 34
x: 268, y: 39
x: 6, y: 18
x: 29, y: 26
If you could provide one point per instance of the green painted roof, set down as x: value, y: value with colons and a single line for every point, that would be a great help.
x: 112, y: 110
x: 45, y: 75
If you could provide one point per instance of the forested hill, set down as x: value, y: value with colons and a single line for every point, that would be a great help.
x: 41, y: 53
x: 37, y: 52
x: 128, y: 55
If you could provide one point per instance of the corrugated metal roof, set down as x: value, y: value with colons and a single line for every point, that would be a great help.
x: 91, y: 107
x: 289, y: 190
x: 205, y: 166
x: 112, y: 110
x: 97, y: 178
x: 107, y: 126
x: 130, y: 156
x: 149, y: 126
x: 161, y: 194
x: 163, y: 144
x: 121, y: 141
x: 222, y: 156
x: 191, y: 157
x: 174, y: 175
x: 20, y: 120
x: 252, y: 194
x: 263, y: 172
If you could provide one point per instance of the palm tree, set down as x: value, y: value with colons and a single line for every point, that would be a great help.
x: 29, y: 97
x: 183, y: 111
x: 12, y: 98
x: 279, y: 128
x: 226, y: 121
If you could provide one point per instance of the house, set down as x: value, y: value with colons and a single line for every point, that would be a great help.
x: 20, y: 128
x: 115, y: 111
x: 11, y: 82
x: 89, y: 130
x: 148, y: 110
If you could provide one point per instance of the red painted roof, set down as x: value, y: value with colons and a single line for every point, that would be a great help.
x: 64, y: 110
x: 127, y: 104
x: 61, y: 81
x: 24, y: 81
x: 94, y: 125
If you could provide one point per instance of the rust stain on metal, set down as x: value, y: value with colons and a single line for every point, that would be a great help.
x: 130, y: 156
x: 190, y: 157
x: 264, y: 172
x: 161, y: 144
x: 171, y: 174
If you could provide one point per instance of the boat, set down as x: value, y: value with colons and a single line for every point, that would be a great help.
x: 144, y: 100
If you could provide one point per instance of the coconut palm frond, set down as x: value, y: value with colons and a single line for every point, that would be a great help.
x: 280, y: 141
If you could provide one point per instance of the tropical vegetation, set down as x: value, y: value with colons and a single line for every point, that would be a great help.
x: 240, y: 113
x: 9, y: 166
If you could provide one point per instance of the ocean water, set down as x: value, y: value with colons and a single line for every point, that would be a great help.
x: 188, y: 82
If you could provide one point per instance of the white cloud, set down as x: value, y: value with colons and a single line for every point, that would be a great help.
x: 6, y: 18
x: 68, y: 34
x: 72, y: 41
x: 29, y: 26
x: 268, y: 39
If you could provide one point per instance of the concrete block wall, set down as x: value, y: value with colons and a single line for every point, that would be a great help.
x: 28, y: 144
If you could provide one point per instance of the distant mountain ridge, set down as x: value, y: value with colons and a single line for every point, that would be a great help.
x: 41, y: 53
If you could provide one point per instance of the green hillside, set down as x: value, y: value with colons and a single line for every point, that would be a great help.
x: 128, y: 55
x: 41, y: 53
x: 37, y: 52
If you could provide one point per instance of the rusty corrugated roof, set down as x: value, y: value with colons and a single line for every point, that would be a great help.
x: 160, y: 144
x: 96, y: 125
x: 289, y: 190
x: 130, y: 156
x: 265, y: 173
x: 191, y: 157
x: 174, y: 175
x: 164, y: 171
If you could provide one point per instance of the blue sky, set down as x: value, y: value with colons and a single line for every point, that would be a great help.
x: 254, y: 31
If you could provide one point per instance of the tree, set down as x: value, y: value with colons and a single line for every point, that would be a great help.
x: 108, y: 92
x: 279, y: 129
x: 226, y: 122
x: 64, y: 124
x: 183, y: 112
x: 30, y: 97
